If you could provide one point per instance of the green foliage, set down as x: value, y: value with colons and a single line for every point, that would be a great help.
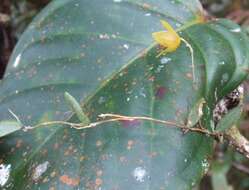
x: 9, y: 126
x: 101, y: 52
x: 75, y: 106
x: 230, y: 119
x: 196, y: 113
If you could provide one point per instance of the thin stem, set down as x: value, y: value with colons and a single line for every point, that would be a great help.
x: 239, y: 142
x: 168, y: 123
x: 129, y: 118
x: 192, y: 56
x: 4, y: 18
x: 241, y: 167
x: 107, y: 118
x: 15, y: 116
x: 57, y: 123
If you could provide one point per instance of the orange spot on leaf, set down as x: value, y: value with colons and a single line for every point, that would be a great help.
x: 98, y: 182
x: 70, y: 181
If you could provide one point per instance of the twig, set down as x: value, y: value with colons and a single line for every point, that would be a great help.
x: 168, y: 123
x: 107, y: 118
x: 4, y: 18
x: 234, y: 137
x: 241, y: 167
x: 192, y: 56
x: 237, y: 140
x: 15, y: 116
x: 56, y: 123
x: 129, y: 118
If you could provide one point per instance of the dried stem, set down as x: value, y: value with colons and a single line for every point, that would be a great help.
x: 107, y: 118
x: 192, y: 56
x: 168, y: 123
x: 233, y: 136
x: 15, y: 116
x: 237, y: 140
x: 4, y: 18
x: 241, y: 167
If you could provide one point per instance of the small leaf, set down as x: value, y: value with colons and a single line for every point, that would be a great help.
x: 75, y: 106
x: 9, y: 126
x: 230, y: 119
x: 196, y: 113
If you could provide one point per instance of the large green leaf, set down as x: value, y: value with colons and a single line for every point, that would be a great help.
x: 94, y: 50
x: 10, y: 126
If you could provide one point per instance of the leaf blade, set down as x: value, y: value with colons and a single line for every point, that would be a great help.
x: 9, y: 126
x: 230, y: 119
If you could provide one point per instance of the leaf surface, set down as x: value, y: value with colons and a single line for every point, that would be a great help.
x: 101, y: 52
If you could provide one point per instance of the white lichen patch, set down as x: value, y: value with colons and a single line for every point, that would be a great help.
x: 17, y: 61
x: 205, y: 165
x: 139, y: 174
x: 4, y: 174
x: 232, y: 99
x: 220, y: 110
x: 104, y: 36
x: 236, y: 30
x: 126, y: 46
x: 147, y: 14
x: 165, y: 60
x: 247, y: 147
x: 193, y: 184
x: 39, y: 170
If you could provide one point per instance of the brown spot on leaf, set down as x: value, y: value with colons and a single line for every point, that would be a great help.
x: 189, y: 76
x: 45, y: 180
x: 104, y: 157
x: 69, y: 151
x: 152, y: 154
x: 98, y: 182
x: 44, y: 152
x: 146, y: 6
x: 122, y: 159
x: 66, y: 153
x: 130, y: 144
x: 99, y: 173
x: 56, y: 146
x: 82, y: 158
x: 98, y: 143
x: 70, y: 147
x: 53, y: 174
x: 19, y: 143
x: 151, y: 78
